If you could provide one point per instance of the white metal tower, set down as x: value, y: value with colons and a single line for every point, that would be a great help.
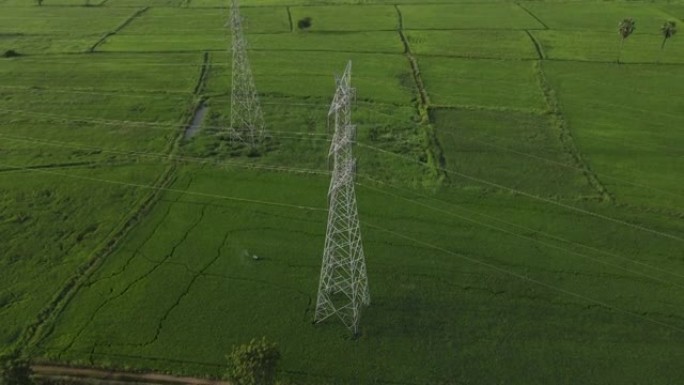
x: 343, y: 286
x: 246, y: 117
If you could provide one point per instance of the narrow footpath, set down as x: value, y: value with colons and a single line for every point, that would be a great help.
x: 103, y: 376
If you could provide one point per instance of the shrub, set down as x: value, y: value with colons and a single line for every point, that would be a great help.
x: 10, y: 53
x: 15, y: 370
x: 304, y: 23
x: 254, y: 363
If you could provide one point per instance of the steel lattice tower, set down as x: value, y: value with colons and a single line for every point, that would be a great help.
x: 246, y: 118
x: 343, y: 286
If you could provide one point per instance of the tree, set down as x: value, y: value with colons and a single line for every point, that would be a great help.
x: 15, y: 370
x: 668, y: 30
x: 625, y: 28
x: 40, y: 2
x: 254, y: 363
x: 304, y: 23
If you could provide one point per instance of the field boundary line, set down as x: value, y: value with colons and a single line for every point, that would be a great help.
x: 89, y: 321
x: 525, y: 278
x: 296, y: 170
x: 481, y: 57
x: 55, y: 165
x: 289, y: 18
x: 177, y: 158
x: 513, y: 190
x: 525, y: 236
x: 173, y: 190
x: 477, y: 107
x: 561, y: 164
x: 433, y: 149
x: 565, y: 135
x: 537, y: 45
x: 540, y: 21
x: 116, y: 30
x: 196, y: 274
x: 34, y: 333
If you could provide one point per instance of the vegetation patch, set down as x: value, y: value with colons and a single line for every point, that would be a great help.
x: 490, y: 258
x: 467, y: 16
x: 481, y: 83
x: 476, y: 44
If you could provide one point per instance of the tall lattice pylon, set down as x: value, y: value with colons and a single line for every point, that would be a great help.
x: 343, y: 287
x: 246, y: 118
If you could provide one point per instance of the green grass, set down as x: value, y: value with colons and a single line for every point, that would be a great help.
x: 46, y: 3
x: 519, y: 150
x: 484, y: 83
x: 161, y: 22
x: 626, y: 121
x: 380, y: 78
x: 59, y: 20
x: 598, y: 16
x: 194, y: 42
x: 487, y: 44
x: 76, y: 117
x: 40, y: 44
x: 356, y: 18
x: 143, y: 3
x: 302, y: 128
x: 49, y: 234
x: 370, y: 42
x: 467, y: 16
x: 125, y: 72
x: 455, y: 317
x: 491, y: 257
x: 605, y: 46
x: 675, y: 10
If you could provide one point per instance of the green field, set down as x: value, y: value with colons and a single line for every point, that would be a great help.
x: 520, y: 192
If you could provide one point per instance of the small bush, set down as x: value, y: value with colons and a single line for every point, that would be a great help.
x: 15, y: 370
x: 10, y: 53
x: 254, y: 363
x: 304, y: 23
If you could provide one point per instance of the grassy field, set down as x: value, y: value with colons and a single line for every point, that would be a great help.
x: 519, y: 191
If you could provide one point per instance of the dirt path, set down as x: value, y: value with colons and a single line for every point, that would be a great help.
x: 117, y: 377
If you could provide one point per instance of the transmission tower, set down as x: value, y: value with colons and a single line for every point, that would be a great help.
x: 343, y: 286
x: 246, y: 118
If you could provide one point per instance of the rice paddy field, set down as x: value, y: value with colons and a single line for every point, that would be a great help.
x: 521, y: 194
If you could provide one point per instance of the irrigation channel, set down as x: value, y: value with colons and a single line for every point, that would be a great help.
x: 197, y: 119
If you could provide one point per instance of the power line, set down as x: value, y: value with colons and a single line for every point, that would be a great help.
x: 466, y: 176
x: 561, y: 164
x: 499, y: 186
x: 245, y: 165
x: 414, y: 240
x: 525, y: 228
x: 229, y: 163
x: 524, y: 277
x: 463, y: 175
x: 152, y: 187
x: 604, y: 175
x: 171, y: 126
x: 187, y: 159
